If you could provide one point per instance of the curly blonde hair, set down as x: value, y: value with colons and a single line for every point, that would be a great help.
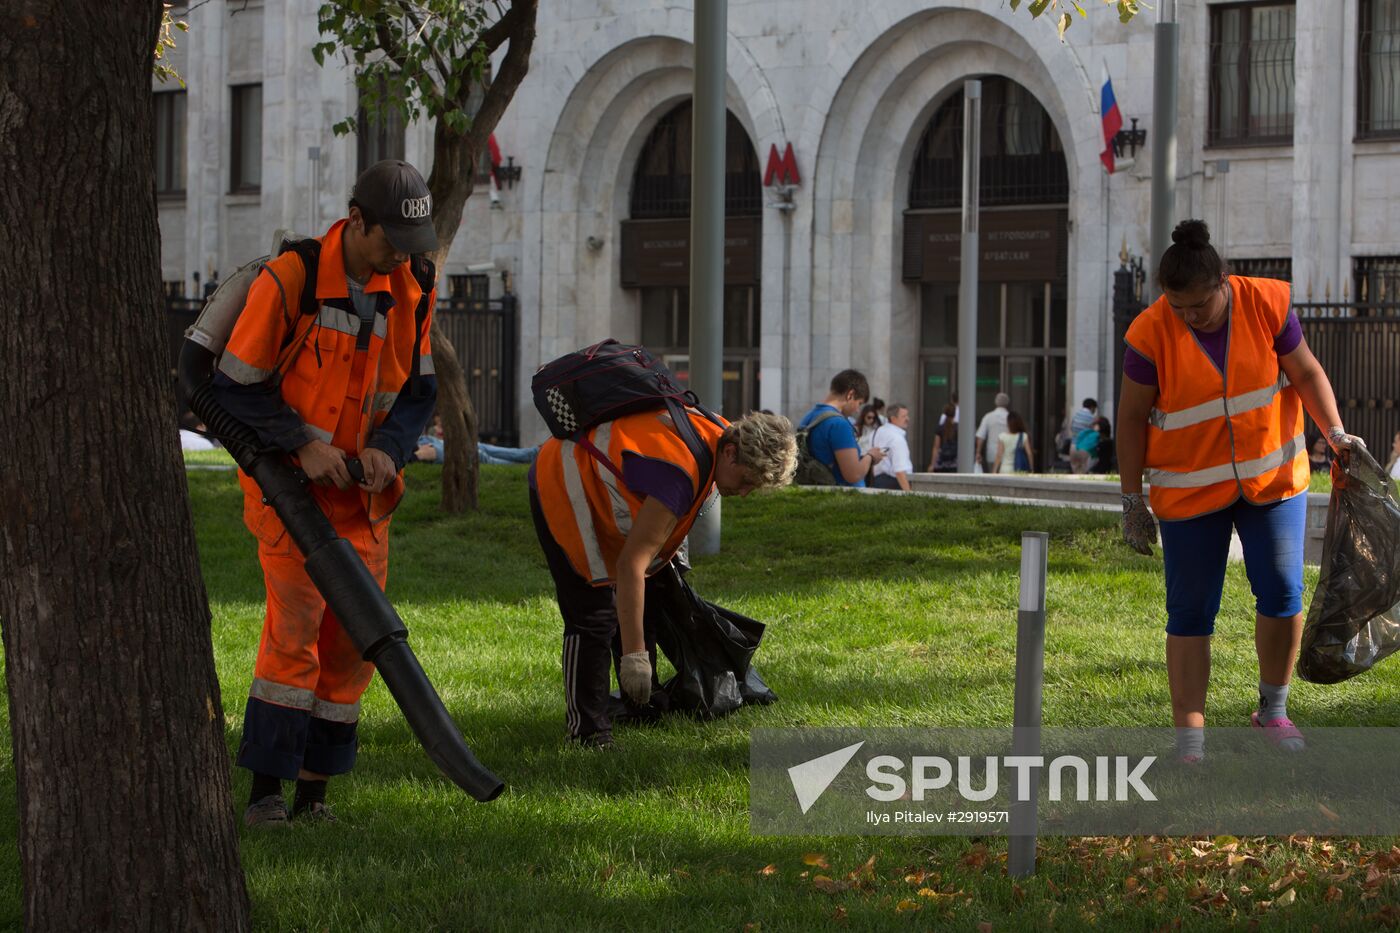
x: 765, y: 445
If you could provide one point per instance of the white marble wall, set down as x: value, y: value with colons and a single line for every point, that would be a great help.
x: 851, y: 86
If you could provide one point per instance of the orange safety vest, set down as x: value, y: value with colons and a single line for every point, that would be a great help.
x: 588, y: 508
x: 1213, y: 437
x: 341, y: 394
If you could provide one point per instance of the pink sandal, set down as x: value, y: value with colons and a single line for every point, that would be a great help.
x: 1281, y: 732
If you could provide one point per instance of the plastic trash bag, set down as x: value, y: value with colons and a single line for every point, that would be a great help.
x: 710, y: 647
x: 1354, y: 619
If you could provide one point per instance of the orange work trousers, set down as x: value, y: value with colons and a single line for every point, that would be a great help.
x: 304, y: 703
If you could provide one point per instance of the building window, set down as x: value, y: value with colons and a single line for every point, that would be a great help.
x: 661, y: 183
x: 1281, y: 269
x: 1022, y: 160
x: 170, y: 142
x: 245, y: 173
x: 1251, y: 74
x: 1377, y: 279
x: 468, y: 290
x: 1378, y: 69
x: 378, y: 137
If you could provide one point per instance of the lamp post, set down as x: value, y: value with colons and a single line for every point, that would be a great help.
x: 1163, y: 133
x: 707, y: 233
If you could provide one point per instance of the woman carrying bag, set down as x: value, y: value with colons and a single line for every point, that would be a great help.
x: 1215, y: 381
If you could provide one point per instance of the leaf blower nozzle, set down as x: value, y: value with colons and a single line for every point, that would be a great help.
x: 343, y: 580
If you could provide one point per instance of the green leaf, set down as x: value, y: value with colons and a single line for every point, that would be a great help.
x: 1080, y: 9
x: 1127, y: 9
x: 1065, y: 22
x: 1038, y: 6
x: 1014, y: 5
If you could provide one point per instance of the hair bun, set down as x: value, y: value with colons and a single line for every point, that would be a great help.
x: 1191, y: 233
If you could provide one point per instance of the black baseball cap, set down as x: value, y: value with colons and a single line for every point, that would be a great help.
x: 395, y: 195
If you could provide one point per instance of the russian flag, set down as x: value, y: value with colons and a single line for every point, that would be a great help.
x: 1112, y: 119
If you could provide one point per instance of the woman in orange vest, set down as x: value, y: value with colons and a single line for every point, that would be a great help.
x: 1216, y: 377
x: 606, y: 527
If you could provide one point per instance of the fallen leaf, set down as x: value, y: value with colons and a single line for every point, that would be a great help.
x: 606, y: 873
x: 752, y: 927
x: 867, y: 870
x: 768, y: 870
x: 907, y: 905
x: 1373, y: 876
x: 916, y: 877
x: 1328, y: 812
x: 815, y: 859
x: 1333, y: 893
x: 984, y: 927
x: 839, y: 916
x: 829, y: 885
x: 1287, y: 897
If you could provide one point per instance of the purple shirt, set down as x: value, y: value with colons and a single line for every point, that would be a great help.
x: 1139, y: 369
x: 652, y: 479
x: 657, y: 479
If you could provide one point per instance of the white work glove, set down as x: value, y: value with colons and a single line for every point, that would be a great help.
x: 635, y: 677
x: 1139, y: 529
x: 1339, y: 440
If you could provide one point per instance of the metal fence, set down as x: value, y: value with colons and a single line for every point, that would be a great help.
x: 485, y: 334
x: 1359, y: 348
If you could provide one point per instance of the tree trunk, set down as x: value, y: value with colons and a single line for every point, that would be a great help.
x: 126, y: 817
x: 451, y: 183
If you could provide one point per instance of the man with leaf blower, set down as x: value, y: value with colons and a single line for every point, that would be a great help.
x: 330, y: 362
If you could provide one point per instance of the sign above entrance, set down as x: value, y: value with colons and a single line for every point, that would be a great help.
x: 781, y: 170
x: 657, y: 252
x: 1016, y: 246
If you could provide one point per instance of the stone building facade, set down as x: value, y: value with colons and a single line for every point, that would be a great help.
x: 1289, y: 146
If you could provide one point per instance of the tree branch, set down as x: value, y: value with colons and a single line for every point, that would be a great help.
x: 443, y: 71
x: 512, y: 71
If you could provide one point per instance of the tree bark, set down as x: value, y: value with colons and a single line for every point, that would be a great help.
x: 126, y: 817
x: 451, y: 183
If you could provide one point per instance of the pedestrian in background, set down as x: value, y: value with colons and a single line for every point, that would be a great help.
x: 992, y: 426
x: 893, y: 438
x: 1014, y: 447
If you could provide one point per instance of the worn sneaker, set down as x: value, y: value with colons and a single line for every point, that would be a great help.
x: 315, y: 812
x: 1281, y: 732
x: 270, y: 811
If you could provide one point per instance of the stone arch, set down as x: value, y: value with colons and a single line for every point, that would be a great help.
x: 612, y: 93
x: 862, y: 313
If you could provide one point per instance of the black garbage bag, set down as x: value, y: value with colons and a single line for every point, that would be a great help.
x: 710, y: 647
x: 1354, y: 619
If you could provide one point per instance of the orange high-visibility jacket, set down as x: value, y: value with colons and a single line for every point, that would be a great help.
x: 588, y: 508
x: 1214, y: 437
x: 341, y: 398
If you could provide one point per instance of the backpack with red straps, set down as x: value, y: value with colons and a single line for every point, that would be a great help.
x: 581, y: 390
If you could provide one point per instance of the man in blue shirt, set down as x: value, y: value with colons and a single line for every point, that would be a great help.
x: 832, y: 440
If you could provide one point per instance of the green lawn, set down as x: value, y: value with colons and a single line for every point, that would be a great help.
x: 882, y: 610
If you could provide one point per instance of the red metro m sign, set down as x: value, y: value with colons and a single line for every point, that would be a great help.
x: 782, y: 170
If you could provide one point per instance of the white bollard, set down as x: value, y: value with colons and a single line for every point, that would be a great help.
x: 1030, y: 682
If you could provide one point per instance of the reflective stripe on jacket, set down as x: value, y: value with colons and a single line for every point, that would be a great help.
x: 1213, y: 437
x: 342, y: 395
x: 588, y: 508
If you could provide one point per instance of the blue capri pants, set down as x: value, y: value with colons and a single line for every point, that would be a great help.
x: 1196, y: 550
